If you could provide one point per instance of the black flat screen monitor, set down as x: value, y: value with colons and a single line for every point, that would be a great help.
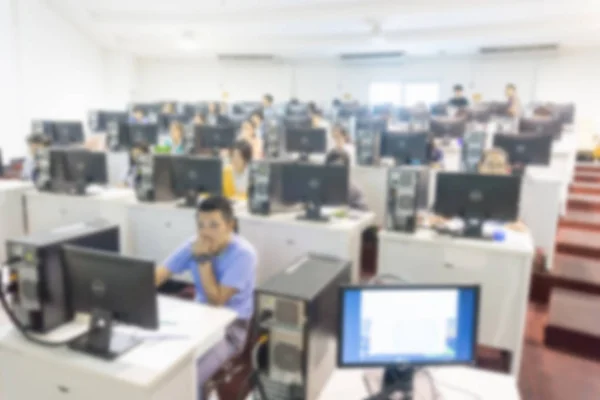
x: 405, y: 148
x: 209, y: 138
x: 532, y: 149
x: 439, y: 110
x: 144, y: 133
x: 297, y: 122
x: 99, y: 120
x: 72, y: 170
x: 193, y: 175
x: 97, y: 283
x: 429, y: 325
x: 548, y: 126
x: 66, y: 133
x: 314, y: 185
x: 305, y: 141
x: 477, y: 196
x: 453, y: 128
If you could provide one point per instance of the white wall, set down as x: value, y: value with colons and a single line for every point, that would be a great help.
x: 539, y: 77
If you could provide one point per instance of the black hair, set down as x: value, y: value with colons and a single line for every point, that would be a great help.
x: 268, y: 97
x: 511, y: 86
x: 339, y: 157
x: 294, y: 101
x: 217, y: 203
x: 245, y: 150
x: 336, y: 102
x: 39, y: 138
x: 138, y: 110
x: 458, y: 88
x: 259, y: 113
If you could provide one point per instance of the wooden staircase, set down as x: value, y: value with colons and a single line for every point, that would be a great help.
x: 571, y: 289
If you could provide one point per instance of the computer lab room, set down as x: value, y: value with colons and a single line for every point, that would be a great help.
x: 299, y: 200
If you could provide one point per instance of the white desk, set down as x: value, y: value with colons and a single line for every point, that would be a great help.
x: 541, y: 207
x: 117, y: 166
x: 503, y: 269
x: 452, y: 156
x: 155, y: 370
x: 562, y: 163
x: 47, y: 211
x: 281, y: 239
x: 12, y: 215
x: 452, y: 383
x: 372, y: 182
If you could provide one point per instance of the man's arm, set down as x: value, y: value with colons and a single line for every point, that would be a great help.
x: 176, y: 263
x: 216, y: 294
x: 161, y: 275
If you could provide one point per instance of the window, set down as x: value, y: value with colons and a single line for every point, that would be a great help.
x: 421, y: 92
x: 385, y: 93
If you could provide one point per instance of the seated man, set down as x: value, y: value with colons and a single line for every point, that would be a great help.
x: 223, y: 266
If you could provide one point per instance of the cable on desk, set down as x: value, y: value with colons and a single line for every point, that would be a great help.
x: 20, y: 327
x: 253, y: 377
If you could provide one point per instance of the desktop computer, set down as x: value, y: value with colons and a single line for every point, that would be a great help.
x: 273, y: 138
x: 314, y: 185
x: 454, y: 129
x: 525, y: 149
x: 367, y: 146
x: 145, y: 182
x: 61, y: 133
x: 194, y: 175
x: 548, y: 126
x: 301, y: 121
x: 70, y: 170
x: 302, y: 302
x: 407, y: 193
x: 473, y: 148
x: 122, y: 135
x: 405, y: 327
x: 111, y: 288
x: 98, y: 120
x: 213, y: 139
x: 305, y: 141
x: 41, y: 301
x: 264, y: 188
x: 405, y: 148
x: 439, y: 110
x: 477, y: 198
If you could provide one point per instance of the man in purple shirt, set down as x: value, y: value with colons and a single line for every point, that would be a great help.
x: 223, y: 266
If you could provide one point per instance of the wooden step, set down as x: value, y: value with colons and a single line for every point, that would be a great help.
x: 587, y: 167
x: 578, y: 242
x: 573, y: 325
x: 581, y: 220
x: 584, y: 188
x: 583, y: 202
x: 587, y: 177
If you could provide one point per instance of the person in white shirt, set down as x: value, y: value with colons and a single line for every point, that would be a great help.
x: 341, y: 141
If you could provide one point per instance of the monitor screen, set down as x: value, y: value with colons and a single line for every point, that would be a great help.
x: 429, y: 325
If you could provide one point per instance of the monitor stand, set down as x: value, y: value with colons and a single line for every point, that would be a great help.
x: 190, y: 199
x: 80, y: 187
x: 312, y: 207
x: 100, y: 341
x: 397, y: 379
x: 304, y: 157
x: 216, y: 152
x: 473, y: 227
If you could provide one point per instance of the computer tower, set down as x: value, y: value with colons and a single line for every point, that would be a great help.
x: 41, y: 302
x: 264, y: 188
x: 367, y: 146
x: 407, y: 193
x: 472, y: 150
x: 273, y: 138
x: 302, y: 302
x: 144, y: 181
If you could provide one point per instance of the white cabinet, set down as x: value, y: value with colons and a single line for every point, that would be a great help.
x: 502, y: 269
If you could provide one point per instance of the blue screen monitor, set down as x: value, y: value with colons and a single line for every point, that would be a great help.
x: 383, y: 326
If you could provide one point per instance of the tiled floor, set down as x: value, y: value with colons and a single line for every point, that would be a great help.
x: 550, y: 375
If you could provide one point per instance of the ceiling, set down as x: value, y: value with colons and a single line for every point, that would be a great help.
x: 306, y: 28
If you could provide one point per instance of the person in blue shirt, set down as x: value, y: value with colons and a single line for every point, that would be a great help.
x: 35, y: 142
x: 268, y: 107
x: 223, y: 265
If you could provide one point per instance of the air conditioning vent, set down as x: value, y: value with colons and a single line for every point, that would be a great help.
x: 246, y: 57
x: 519, y: 49
x: 371, y: 56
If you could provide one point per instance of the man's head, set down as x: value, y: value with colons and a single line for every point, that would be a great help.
x: 267, y: 100
x: 458, y: 90
x: 510, y: 90
x: 215, y: 222
x: 138, y: 114
x: 241, y: 156
x: 37, y: 141
x: 257, y: 117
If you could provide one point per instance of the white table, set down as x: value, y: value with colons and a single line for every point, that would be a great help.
x: 540, y: 208
x: 452, y: 156
x: 117, y: 167
x: 503, y: 269
x: 562, y: 163
x: 452, y: 383
x: 47, y: 211
x: 280, y: 239
x: 12, y: 215
x: 372, y: 182
x: 158, y: 369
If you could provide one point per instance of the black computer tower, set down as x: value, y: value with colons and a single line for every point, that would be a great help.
x: 41, y: 302
x: 302, y: 302
x: 407, y: 194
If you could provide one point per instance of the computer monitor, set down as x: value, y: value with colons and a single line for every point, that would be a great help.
x: 112, y: 288
x: 99, y: 120
x: 297, y: 109
x: 499, y: 108
x: 477, y: 198
x: 480, y: 115
x: 439, y: 110
x: 61, y: 133
x: 549, y: 126
x: 453, y: 128
x: 165, y: 120
x: 403, y: 114
x: 407, y: 326
x: 214, y: 138
x: 193, y: 175
x: 381, y: 110
x: 72, y: 170
x: 144, y: 133
x: 565, y: 113
x: 522, y: 150
x: 297, y: 122
x: 305, y: 141
x: 314, y: 185
x: 405, y: 148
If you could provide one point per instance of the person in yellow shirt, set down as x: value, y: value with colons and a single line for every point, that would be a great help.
x: 236, y: 175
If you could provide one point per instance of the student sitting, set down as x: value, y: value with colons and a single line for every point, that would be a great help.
x: 434, y: 154
x: 235, y: 175
x: 355, y: 196
x: 176, y: 133
x: 138, y: 149
x: 223, y: 265
x: 248, y: 133
x: 341, y: 142
x: 35, y: 143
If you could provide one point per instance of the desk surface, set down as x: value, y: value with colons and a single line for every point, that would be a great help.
x: 453, y: 383
x: 103, y: 194
x: 516, y: 242
x: 14, y: 184
x: 187, y: 330
x: 353, y: 219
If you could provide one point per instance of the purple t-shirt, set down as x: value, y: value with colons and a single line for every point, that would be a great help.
x: 234, y: 267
